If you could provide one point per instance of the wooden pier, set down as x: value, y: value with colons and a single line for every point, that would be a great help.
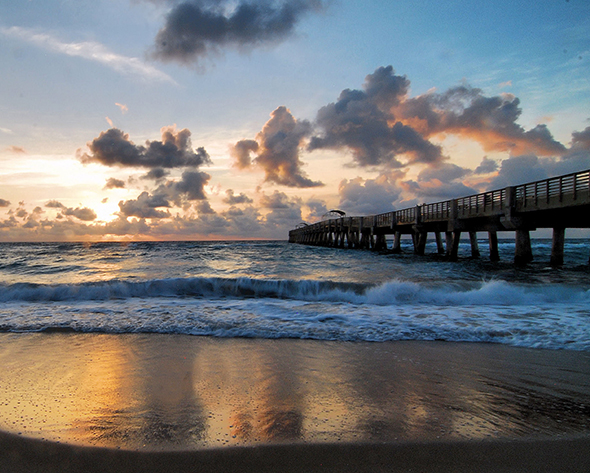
x: 557, y: 203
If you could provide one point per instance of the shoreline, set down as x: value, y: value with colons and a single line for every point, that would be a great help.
x: 178, y: 392
x: 20, y: 455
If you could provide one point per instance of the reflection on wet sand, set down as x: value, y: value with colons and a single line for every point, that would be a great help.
x: 167, y: 392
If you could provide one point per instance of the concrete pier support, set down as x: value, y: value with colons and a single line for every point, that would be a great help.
x: 494, y: 253
x: 523, y: 253
x: 439, y: 243
x: 453, y: 254
x: 397, y: 243
x: 448, y: 243
x: 419, y: 238
x: 380, y: 242
x: 474, y: 246
x: 557, y: 246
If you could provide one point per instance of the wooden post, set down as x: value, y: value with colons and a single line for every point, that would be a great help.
x: 523, y: 253
x: 493, y: 239
x: 557, y: 246
x: 474, y: 246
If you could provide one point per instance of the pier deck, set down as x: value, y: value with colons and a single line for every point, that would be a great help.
x: 558, y: 203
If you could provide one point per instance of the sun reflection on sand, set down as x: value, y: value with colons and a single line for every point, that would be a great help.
x: 163, y: 392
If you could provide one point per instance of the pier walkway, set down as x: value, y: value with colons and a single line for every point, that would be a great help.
x: 557, y: 203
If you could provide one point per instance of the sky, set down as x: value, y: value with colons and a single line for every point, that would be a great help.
x: 239, y: 119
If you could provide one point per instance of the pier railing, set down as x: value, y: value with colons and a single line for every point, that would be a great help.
x: 538, y: 195
x: 569, y: 189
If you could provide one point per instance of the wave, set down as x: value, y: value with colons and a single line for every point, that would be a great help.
x: 396, y: 292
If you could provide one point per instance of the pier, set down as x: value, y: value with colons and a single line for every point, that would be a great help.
x: 557, y: 203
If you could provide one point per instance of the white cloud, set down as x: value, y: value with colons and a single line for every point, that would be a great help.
x: 92, y: 51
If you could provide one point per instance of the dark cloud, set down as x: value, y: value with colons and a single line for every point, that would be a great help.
x: 21, y: 213
x: 519, y: 169
x: 196, y: 29
x: 363, y: 122
x: 81, y: 213
x: 486, y: 166
x: 145, y: 206
x: 192, y: 185
x: 317, y: 208
x: 277, y: 149
x: 529, y: 168
x: 444, y: 172
x: 581, y: 139
x: 113, y: 183
x: 113, y: 148
x: 203, y: 207
x: 54, y: 204
x: 277, y: 200
x: 284, y: 211
x: 233, y: 199
x: 491, y: 121
x: 156, y: 174
x: 4, y: 203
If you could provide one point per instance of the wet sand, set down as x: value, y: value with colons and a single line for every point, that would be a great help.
x: 172, y: 402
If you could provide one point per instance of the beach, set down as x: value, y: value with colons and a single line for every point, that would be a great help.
x: 145, y: 402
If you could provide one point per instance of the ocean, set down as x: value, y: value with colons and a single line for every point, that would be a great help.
x: 273, y: 289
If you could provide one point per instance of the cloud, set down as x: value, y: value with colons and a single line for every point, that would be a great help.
x: 92, y: 51
x: 284, y: 211
x: 236, y: 199
x: 156, y: 174
x: 197, y: 29
x: 277, y: 149
x: 491, y: 121
x: 192, y: 185
x: 16, y: 150
x: 124, y: 108
x: 83, y: 213
x: 114, y: 148
x: 371, y: 196
x: 441, y: 182
x: 55, y: 204
x: 486, y: 166
x: 581, y: 139
x: 4, y: 203
x: 113, y: 183
x: 204, y: 208
x: 362, y: 121
x: 145, y: 206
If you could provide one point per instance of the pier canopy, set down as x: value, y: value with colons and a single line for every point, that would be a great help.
x: 334, y: 213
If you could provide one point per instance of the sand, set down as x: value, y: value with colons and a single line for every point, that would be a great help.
x: 145, y: 402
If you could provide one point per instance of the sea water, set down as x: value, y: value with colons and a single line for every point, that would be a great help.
x: 273, y: 289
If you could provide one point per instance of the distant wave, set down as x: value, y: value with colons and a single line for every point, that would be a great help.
x: 394, y: 292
